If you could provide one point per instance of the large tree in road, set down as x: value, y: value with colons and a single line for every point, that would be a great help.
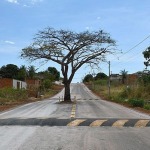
x: 70, y: 50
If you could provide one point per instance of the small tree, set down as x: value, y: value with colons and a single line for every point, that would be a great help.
x: 31, y: 72
x: 146, y: 54
x: 54, y: 72
x: 9, y: 71
x: 22, y: 73
x: 124, y: 75
x: 70, y: 50
x: 100, y: 76
x: 47, y: 83
x: 88, y: 78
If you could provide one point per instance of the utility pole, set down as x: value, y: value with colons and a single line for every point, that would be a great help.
x: 109, y: 80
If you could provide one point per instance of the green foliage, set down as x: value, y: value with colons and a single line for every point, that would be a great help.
x: 22, y: 73
x: 146, y: 54
x: 99, y: 84
x: 31, y: 72
x: 126, y: 91
x: 145, y: 79
x: 88, y: 78
x: 100, y: 76
x: 124, y: 75
x: 9, y: 71
x: 147, y: 106
x: 136, y: 102
x: 54, y: 73
x: 47, y: 83
x: 12, y: 95
x: 51, y: 73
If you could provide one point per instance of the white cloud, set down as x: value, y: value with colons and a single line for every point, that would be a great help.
x: 9, y: 42
x: 35, y: 1
x: 98, y: 18
x: 88, y: 28
x: 25, y: 3
x: 12, y: 1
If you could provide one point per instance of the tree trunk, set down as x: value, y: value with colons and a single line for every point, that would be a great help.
x: 67, y: 96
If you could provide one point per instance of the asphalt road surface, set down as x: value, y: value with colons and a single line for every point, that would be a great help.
x: 88, y: 124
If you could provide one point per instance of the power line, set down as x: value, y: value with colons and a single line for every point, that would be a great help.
x: 136, y: 45
x: 132, y: 49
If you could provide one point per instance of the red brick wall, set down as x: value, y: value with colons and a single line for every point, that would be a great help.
x: 6, y: 82
x: 33, y: 82
x: 132, y: 78
x: 33, y: 87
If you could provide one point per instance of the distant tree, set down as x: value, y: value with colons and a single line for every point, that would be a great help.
x: 54, y: 72
x: 124, y: 75
x: 31, y: 72
x: 9, y: 71
x: 146, y: 54
x: 70, y: 50
x: 22, y: 73
x: 100, y: 76
x: 88, y: 78
x: 47, y: 83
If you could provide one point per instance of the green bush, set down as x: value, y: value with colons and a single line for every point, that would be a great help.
x: 147, y: 106
x: 47, y: 84
x: 136, y: 102
x: 10, y: 95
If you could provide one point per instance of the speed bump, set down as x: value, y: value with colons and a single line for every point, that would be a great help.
x: 74, y: 122
x: 141, y: 123
x: 119, y: 123
x: 97, y: 123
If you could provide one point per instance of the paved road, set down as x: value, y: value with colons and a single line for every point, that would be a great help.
x: 88, y: 124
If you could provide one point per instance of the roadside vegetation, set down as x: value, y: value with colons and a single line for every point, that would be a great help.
x: 135, y: 94
x: 44, y: 88
x: 10, y: 97
x: 131, y: 90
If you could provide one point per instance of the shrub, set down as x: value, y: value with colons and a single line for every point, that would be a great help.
x: 147, y: 106
x: 136, y: 102
x: 47, y: 84
x: 10, y: 95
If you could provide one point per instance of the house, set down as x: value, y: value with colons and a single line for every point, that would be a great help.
x: 12, y: 83
x: 115, y: 77
x: 33, y: 83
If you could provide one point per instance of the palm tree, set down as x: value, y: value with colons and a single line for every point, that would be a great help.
x: 124, y: 75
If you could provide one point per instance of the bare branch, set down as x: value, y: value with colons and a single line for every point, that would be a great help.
x: 70, y: 49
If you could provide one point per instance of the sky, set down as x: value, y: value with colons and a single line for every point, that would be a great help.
x: 128, y: 22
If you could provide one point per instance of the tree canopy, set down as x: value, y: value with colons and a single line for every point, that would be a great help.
x: 100, y: 76
x: 88, y: 78
x: 22, y: 73
x: 70, y: 50
x: 9, y: 71
x: 54, y: 73
x: 146, y: 54
x: 124, y: 75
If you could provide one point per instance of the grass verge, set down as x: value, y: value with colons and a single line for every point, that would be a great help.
x: 10, y: 98
x: 135, y: 97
